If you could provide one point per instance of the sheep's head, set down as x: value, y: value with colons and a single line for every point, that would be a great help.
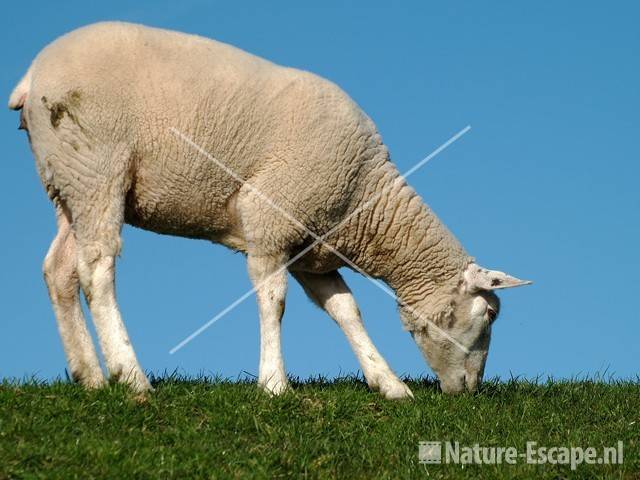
x: 456, y: 346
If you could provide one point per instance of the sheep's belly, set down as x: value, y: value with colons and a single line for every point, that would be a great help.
x: 184, y: 208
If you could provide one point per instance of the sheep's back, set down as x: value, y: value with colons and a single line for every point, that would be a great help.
x: 297, y: 137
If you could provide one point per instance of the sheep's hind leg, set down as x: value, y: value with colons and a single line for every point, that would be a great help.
x: 64, y: 290
x: 269, y: 277
x: 331, y: 293
x: 98, y: 237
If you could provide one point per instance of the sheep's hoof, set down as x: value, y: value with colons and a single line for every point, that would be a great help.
x: 91, y: 381
x: 141, y: 398
x: 273, y: 387
x: 395, y: 390
x: 140, y: 385
x: 137, y: 381
x: 94, y: 383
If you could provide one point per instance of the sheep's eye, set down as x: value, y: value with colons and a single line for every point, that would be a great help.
x: 492, y: 314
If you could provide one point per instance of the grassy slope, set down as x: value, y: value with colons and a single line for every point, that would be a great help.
x: 337, y: 429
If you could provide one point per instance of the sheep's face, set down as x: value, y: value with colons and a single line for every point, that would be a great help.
x: 457, y: 349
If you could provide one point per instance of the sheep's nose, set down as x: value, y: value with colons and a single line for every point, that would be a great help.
x: 453, y: 386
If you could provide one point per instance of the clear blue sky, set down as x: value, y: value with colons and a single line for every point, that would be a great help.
x: 544, y: 186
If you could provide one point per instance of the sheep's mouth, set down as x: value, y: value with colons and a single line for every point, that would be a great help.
x: 464, y: 383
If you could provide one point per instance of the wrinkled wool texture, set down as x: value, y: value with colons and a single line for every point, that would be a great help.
x: 108, y: 108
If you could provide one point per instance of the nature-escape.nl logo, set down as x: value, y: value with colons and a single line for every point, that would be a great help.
x: 534, y: 454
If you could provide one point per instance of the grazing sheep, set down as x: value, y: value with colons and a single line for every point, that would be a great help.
x: 187, y: 136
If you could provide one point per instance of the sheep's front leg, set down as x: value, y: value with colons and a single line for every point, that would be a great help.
x: 270, y: 280
x: 331, y: 293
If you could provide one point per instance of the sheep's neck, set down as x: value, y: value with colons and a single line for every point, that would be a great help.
x: 401, y: 241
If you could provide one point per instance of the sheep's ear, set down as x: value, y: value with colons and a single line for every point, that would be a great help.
x: 478, y: 278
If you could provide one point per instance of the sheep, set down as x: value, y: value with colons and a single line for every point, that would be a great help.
x: 282, y: 159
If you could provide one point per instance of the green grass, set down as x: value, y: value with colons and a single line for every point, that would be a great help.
x: 339, y: 429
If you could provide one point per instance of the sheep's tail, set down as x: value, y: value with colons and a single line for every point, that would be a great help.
x: 19, y: 95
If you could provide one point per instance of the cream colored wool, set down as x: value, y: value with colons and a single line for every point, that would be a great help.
x: 100, y: 105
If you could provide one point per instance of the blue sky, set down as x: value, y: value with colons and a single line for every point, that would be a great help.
x: 544, y: 186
